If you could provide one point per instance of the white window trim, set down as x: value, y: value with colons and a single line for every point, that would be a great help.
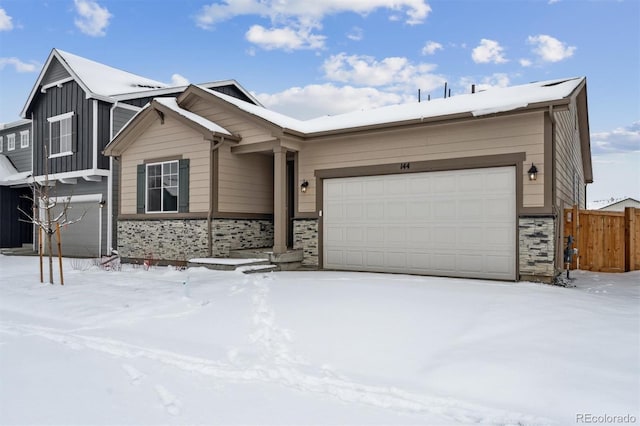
x: 22, y: 138
x: 55, y: 119
x: 146, y: 189
x: 11, y: 142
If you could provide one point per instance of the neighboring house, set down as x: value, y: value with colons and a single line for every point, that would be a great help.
x: 15, y: 168
x: 620, y: 205
x: 436, y: 188
x: 75, y: 107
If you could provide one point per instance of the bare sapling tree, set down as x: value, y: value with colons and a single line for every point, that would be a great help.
x: 49, y: 214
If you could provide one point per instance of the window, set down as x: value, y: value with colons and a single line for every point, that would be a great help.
x: 24, y: 139
x: 163, y: 187
x: 11, y: 142
x: 1, y: 143
x: 60, y: 135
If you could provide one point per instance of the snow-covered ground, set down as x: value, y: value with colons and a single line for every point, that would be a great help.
x: 211, y: 347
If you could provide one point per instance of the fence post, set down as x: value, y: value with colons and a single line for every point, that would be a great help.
x: 629, y: 239
x: 575, y: 232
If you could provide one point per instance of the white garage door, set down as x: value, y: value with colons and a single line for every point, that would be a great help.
x: 452, y: 223
x: 82, y: 238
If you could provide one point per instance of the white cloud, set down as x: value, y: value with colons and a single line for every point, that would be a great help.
x: 178, y: 80
x: 431, y: 47
x: 488, y: 51
x: 356, y: 34
x: 484, y: 83
x: 328, y: 99
x: 550, y: 49
x: 19, y: 65
x: 6, y: 23
x: 621, y: 139
x: 416, y: 11
x: 93, y: 19
x: 396, y: 72
x: 285, y: 38
x: 525, y: 62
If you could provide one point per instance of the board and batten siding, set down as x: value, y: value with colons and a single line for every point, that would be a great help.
x: 161, y: 141
x: 55, y: 72
x: 568, y: 160
x: 56, y: 101
x: 477, y: 137
x: 245, y: 182
x: 236, y: 123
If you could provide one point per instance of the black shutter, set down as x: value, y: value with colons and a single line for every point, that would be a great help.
x: 141, y: 188
x: 183, y: 185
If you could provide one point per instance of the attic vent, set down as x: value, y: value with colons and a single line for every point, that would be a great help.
x: 147, y: 86
x: 555, y: 83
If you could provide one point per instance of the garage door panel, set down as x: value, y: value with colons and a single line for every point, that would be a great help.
x: 455, y: 223
x: 81, y: 238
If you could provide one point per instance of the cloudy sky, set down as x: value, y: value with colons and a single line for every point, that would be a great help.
x: 309, y: 58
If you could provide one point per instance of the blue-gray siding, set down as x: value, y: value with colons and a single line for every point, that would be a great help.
x: 20, y: 157
x: 121, y: 116
x: 55, y: 72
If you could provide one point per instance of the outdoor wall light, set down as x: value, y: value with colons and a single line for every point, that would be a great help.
x: 533, y: 172
x: 102, y: 203
x: 304, y: 185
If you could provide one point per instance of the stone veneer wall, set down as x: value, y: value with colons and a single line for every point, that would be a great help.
x: 537, y: 248
x: 183, y: 239
x: 305, y: 237
x: 236, y: 234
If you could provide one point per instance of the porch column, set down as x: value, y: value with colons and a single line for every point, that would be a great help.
x: 279, y: 200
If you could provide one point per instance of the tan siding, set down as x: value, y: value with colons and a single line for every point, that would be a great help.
x: 489, y: 136
x: 568, y: 160
x: 166, y: 140
x: 237, y: 124
x: 245, y: 182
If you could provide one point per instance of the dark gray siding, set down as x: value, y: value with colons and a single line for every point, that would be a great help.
x: 230, y: 90
x: 121, y: 116
x: 13, y: 231
x: 20, y: 157
x: 60, y: 100
x: 104, y: 133
x: 55, y: 72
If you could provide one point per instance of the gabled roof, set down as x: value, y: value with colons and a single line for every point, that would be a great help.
x: 164, y: 107
x: 491, y: 101
x: 615, y: 203
x: 96, y: 79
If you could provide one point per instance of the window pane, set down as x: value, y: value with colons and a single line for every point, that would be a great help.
x: 153, y: 200
x: 55, y: 138
x: 170, y: 200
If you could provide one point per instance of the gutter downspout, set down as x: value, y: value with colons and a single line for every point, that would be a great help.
x: 214, y: 146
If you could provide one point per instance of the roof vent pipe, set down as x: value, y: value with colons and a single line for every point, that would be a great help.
x: 445, y: 89
x: 473, y: 88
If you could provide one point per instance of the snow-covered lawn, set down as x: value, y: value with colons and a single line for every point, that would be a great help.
x: 211, y: 347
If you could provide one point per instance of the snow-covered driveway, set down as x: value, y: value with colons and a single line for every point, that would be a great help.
x: 208, y: 347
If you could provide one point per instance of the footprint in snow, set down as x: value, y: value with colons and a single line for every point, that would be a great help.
x: 133, y: 374
x: 170, y: 402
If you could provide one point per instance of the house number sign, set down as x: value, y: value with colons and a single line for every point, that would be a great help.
x: 405, y: 166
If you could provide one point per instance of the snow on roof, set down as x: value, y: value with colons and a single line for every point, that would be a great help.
x: 14, y: 124
x: 490, y: 101
x: 104, y: 80
x: 8, y: 173
x: 173, y: 105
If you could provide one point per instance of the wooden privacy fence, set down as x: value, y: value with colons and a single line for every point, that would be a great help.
x: 606, y: 241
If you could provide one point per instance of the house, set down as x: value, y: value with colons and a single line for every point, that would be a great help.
x: 15, y: 168
x: 620, y: 205
x: 74, y: 109
x: 472, y: 185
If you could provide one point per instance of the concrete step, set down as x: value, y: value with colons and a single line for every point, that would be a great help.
x: 18, y: 251
x: 227, y: 264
